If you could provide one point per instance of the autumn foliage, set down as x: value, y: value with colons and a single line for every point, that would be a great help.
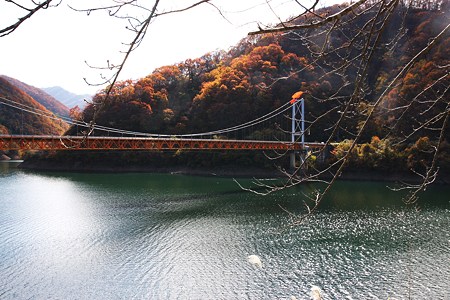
x: 14, y: 121
x: 259, y: 74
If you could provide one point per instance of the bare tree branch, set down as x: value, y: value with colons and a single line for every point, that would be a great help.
x: 313, y: 24
x: 29, y: 12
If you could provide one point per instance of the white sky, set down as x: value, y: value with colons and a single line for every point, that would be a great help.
x: 51, y: 48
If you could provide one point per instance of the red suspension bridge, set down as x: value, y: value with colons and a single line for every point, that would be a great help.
x: 156, y: 142
x: 48, y: 142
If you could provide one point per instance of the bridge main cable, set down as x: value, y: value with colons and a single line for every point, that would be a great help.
x: 37, y: 111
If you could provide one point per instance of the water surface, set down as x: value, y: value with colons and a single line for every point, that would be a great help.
x: 146, y: 236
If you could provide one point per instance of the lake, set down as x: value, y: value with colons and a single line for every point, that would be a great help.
x: 153, y: 236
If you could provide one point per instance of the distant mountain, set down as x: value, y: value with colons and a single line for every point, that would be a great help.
x: 16, y: 121
x: 67, y: 98
x: 40, y: 96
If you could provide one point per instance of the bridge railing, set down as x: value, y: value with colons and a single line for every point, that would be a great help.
x: 48, y: 142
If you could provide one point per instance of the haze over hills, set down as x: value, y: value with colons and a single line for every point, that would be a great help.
x: 69, y: 99
x: 48, y: 101
x: 17, y: 93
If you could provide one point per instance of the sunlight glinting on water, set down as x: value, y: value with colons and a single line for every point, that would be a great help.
x: 79, y: 236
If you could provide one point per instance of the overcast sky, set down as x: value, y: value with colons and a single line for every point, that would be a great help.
x: 51, y: 48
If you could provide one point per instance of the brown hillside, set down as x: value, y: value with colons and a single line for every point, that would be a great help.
x: 15, y: 121
x: 40, y: 96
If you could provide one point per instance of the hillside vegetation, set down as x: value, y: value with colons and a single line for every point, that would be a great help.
x: 258, y: 75
x: 40, y: 96
x: 15, y: 121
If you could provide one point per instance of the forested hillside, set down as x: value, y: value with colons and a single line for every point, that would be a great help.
x: 15, y: 121
x: 223, y: 89
x: 40, y: 96
x: 260, y: 73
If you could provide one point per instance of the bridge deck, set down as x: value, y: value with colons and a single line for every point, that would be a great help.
x: 48, y: 142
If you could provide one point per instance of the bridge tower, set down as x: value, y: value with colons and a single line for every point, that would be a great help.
x: 297, y: 127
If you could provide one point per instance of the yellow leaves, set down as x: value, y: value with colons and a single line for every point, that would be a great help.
x: 75, y: 113
x: 223, y: 80
x: 127, y: 91
x: 423, y: 144
x: 3, y: 129
x: 410, y: 78
x: 168, y: 115
x: 168, y: 72
x: 262, y: 58
x: 376, y: 142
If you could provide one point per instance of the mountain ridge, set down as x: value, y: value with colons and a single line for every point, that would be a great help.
x: 68, y: 98
x: 40, y: 96
x: 14, y: 120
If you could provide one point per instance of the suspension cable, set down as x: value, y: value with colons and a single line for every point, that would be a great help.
x: 37, y: 111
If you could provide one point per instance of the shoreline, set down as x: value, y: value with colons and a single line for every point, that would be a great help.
x: 222, y: 171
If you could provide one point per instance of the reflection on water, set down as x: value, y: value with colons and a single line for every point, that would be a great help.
x: 141, y: 236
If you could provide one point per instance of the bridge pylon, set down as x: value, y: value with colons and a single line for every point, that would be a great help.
x: 297, y: 129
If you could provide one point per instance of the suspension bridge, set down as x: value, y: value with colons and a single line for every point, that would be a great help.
x: 118, y: 139
x: 49, y: 142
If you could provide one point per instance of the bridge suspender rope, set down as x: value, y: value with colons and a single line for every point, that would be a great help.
x: 36, y: 111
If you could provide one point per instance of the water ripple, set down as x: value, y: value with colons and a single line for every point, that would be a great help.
x: 81, y: 237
